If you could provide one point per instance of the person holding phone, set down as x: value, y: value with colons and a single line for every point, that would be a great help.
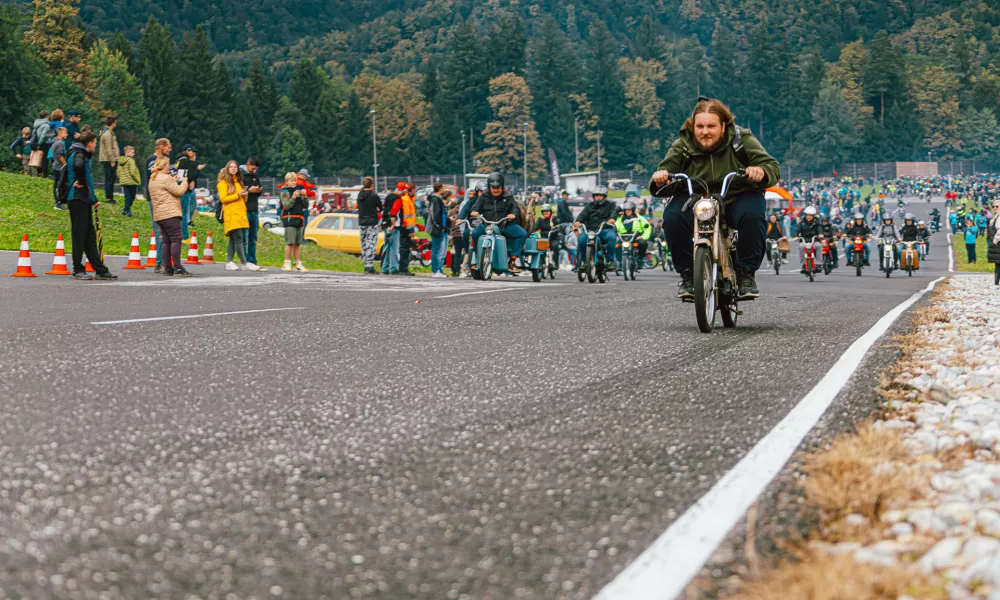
x: 254, y: 190
x: 188, y: 167
x: 233, y: 197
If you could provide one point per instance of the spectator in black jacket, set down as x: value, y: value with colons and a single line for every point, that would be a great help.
x: 437, y: 227
x: 369, y: 207
x: 188, y: 166
x: 22, y: 151
x: 254, y: 189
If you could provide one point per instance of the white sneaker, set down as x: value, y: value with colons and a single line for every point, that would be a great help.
x: 287, y: 266
x: 438, y: 275
x: 251, y: 267
x: 301, y: 268
x: 463, y: 276
x: 231, y: 266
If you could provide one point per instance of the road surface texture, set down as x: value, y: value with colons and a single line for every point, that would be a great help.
x: 528, y: 442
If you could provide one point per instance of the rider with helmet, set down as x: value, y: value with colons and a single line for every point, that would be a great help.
x: 495, y: 205
x: 888, y: 231
x: 855, y: 228
x: 710, y: 146
x: 545, y: 226
x: 809, y: 228
x: 910, y: 232
x: 600, y: 210
x: 629, y: 221
x: 775, y: 231
x: 829, y: 231
x: 924, y: 234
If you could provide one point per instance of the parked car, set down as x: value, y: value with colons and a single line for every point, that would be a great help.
x: 269, y: 219
x: 633, y: 190
x: 337, y: 231
x: 203, y: 196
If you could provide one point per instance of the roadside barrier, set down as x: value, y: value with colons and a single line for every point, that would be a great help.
x: 24, y: 260
x: 192, y: 257
x: 151, y: 258
x: 134, y: 255
x: 59, y: 260
x: 208, y: 256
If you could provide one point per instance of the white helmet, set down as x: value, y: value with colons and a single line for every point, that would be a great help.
x: 810, y: 210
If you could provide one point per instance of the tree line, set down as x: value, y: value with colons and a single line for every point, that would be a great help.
x: 500, y: 79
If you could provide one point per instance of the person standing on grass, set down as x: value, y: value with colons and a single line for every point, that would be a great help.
x: 233, y: 197
x: 108, y: 157
x: 458, y: 241
x: 72, y: 125
x: 188, y: 167
x: 165, y: 193
x: 59, y: 151
x: 369, y: 207
x: 392, y: 223
x: 161, y: 149
x: 128, y: 176
x: 254, y: 190
x: 971, y: 233
x: 437, y: 227
x: 408, y: 230
x: 993, y: 242
x: 294, y: 210
x: 81, y: 198
x: 22, y: 150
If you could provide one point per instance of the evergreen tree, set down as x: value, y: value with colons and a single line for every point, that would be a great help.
x: 934, y: 92
x: 160, y: 78
x: 980, y: 140
x: 57, y: 37
x: 648, y: 44
x: 321, y: 143
x: 607, y: 97
x: 262, y: 96
x: 504, y: 136
x: 642, y: 77
x: 353, y: 138
x: 120, y: 44
x: 832, y: 136
x: 199, y: 116
x: 22, y: 76
x: 883, y: 74
x: 724, y: 63
x: 288, y: 152
x: 466, y: 78
x: 508, y: 44
x: 552, y: 78
x: 308, y: 83
x: 118, y: 92
x: 429, y: 86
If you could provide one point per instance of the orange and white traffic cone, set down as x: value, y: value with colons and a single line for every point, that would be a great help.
x: 192, y: 257
x: 208, y: 256
x: 24, y: 260
x: 134, y: 255
x: 86, y: 265
x: 151, y: 257
x: 59, y: 261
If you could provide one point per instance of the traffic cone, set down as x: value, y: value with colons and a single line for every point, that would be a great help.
x: 134, y: 255
x: 151, y: 258
x: 86, y: 265
x: 208, y: 256
x: 59, y: 261
x: 192, y: 258
x: 24, y: 260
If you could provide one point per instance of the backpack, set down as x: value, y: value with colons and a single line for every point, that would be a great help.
x: 39, y: 135
x: 218, y: 206
x: 52, y: 133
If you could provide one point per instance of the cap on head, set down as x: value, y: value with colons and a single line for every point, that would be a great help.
x: 73, y: 113
x: 189, y: 147
x: 304, y: 173
x: 401, y: 186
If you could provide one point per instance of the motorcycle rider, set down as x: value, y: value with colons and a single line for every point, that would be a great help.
x: 809, y: 228
x: 888, y: 231
x: 631, y: 222
x: 855, y: 228
x: 600, y: 210
x: 924, y: 235
x: 909, y: 230
x: 936, y: 216
x: 775, y: 232
x: 545, y: 226
x: 829, y: 231
x: 494, y: 205
x: 711, y: 145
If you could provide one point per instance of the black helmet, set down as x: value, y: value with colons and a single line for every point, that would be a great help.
x: 495, y: 180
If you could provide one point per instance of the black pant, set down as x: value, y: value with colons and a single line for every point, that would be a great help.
x: 57, y: 194
x: 458, y: 248
x: 971, y: 250
x: 130, y: 192
x: 171, y: 250
x: 43, y: 171
x: 109, y: 182
x: 84, y: 237
x: 405, y: 243
x: 745, y: 214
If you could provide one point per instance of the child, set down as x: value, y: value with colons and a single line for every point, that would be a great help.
x: 971, y: 233
x: 128, y: 175
x: 294, y: 208
x: 22, y: 151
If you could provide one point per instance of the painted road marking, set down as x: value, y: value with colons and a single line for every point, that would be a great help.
x: 475, y: 293
x: 951, y: 245
x: 201, y: 316
x: 663, y: 571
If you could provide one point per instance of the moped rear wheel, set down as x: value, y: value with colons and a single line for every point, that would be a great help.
x: 536, y: 275
x: 730, y: 314
x: 591, y: 266
x: 626, y: 266
x: 704, y: 289
x: 857, y: 264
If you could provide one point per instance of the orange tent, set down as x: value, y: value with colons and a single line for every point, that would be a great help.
x: 778, y: 193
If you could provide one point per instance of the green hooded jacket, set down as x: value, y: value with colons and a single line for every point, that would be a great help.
x: 684, y: 156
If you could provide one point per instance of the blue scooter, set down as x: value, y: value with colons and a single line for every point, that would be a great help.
x: 490, y: 254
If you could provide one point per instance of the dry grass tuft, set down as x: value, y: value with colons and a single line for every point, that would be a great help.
x: 864, y: 473
x: 819, y: 576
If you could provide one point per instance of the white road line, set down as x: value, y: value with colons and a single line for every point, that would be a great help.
x: 951, y: 246
x: 474, y: 293
x: 665, y: 568
x: 202, y: 316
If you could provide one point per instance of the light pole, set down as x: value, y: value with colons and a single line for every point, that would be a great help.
x: 576, y: 140
x: 374, y: 151
x: 524, y: 194
x: 464, y: 171
x: 598, y: 157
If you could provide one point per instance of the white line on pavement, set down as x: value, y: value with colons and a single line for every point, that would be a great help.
x: 951, y: 246
x: 474, y: 293
x: 665, y: 568
x: 178, y: 317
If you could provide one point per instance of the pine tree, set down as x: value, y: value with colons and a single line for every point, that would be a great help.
x: 648, y: 44
x: 21, y: 72
x: 352, y: 140
x: 429, y: 85
x: 288, y: 153
x: 883, y: 73
x: 120, y: 44
x: 934, y: 92
x: 199, y: 116
x: 724, y: 63
x: 508, y: 46
x: 466, y: 77
x: 510, y: 100
x: 118, y: 92
x: 832, y: 136
x: 980, y: 138
x: 642, y: 77
x: 607, y: 96
x: 158, y: 74
x: 308, y: 83
x: 262, y: 95
x: 552, y: 78
x: 58, y: 38
x: 321, y: 142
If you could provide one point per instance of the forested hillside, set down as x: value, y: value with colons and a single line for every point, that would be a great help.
x: 821, y: 82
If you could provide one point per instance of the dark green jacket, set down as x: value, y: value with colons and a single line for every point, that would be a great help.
x: 712, y: 167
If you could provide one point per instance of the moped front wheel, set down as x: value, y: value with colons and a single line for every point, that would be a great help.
x: 486, y: 263
x: 704, y: 289
x: 591, y: 266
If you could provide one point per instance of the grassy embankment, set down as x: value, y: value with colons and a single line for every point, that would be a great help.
x: 26, y: 207
x: 961, y: 255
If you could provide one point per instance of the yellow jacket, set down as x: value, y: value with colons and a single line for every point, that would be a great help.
x: 234, y: 207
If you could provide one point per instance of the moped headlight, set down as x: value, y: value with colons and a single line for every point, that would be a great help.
x: 704, y: 210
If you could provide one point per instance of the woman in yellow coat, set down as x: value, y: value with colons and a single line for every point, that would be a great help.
x: 233, y: 197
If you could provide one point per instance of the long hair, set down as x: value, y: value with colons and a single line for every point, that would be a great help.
x: 158, y: 166
x: 713, y: 106
x: 231, y: 180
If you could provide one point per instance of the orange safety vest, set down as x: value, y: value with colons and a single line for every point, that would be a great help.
x: 409, y: 211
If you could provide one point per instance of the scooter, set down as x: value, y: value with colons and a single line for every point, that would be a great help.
x: 590, y: 261
x: 909, y: 258
x: 888, y: 261
x: 858, y: 255
x: 630, y: 258
x: 809, y: 261
x: 774, y: 255
x: 827, y: 256
x: 536, y: 256
x: 490, y: 254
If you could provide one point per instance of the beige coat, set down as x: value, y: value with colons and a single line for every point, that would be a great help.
x: 165, y: 193
x: 108, y: 151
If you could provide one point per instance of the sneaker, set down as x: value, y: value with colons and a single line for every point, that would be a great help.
x: 158, y: 270
x: 463, y: 276
x: 187, y: 241
x: 286, y: 266
x: 369, y: 271
x: 168, y: 272
x: 82, y: 276
x: 748, y: 286
x: 250, y: 267
x: 61, y: 206
x: 106, y: 276
x: 512, y: 267
x: 231, y: 266
x: 182, y: 272
x: 301, y: 268
x: 685, y: 289
x: 438, y: 275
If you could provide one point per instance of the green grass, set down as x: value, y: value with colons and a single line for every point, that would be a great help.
x: 26, y: 207
x: 961, y: 264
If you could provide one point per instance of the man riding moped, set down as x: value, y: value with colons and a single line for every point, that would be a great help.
x: 631, y: 222
x: 856, y: 228
x: 599, y: 211
x: 497, y: 205
x: 809, y: 228
x: 710, y: 146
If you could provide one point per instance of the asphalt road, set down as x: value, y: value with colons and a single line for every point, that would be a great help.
x: 526, y: 442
